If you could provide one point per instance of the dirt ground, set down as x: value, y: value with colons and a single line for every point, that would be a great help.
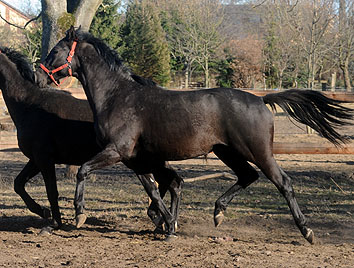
x: 258, y: 230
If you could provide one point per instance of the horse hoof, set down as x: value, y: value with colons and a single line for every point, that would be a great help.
x: 310, y: 236
x: 80, y: 220
x: 171, y: 238
x: 218, y: 218
x: 47, y: 230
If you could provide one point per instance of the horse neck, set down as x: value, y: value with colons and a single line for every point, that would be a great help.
x: 23, y: 97
x: 15, y: 89
x: 12, y: 84
x: 99, y: 81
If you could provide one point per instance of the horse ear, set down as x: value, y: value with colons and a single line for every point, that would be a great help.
x: 71, y: 34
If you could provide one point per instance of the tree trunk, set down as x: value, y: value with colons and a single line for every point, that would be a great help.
x: 186, y: 78
x: 83, y: 11
x: 346, y: 75
x: 333, y: 81
x: 206, y: 71
x: 51, y: 11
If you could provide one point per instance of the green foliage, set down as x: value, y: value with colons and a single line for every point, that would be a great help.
x: 144, y: 44
x: 32, y: 45
x: 65, y: 21
x: 105, y: 24
x: 225, y: 73
x: 271, y: 54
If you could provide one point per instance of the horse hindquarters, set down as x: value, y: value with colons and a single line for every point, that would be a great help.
x: 255, y: 145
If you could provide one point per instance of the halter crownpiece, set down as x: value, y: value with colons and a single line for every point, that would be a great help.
x: 65, y: 65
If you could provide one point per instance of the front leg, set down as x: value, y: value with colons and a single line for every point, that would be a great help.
x: 105, y: 158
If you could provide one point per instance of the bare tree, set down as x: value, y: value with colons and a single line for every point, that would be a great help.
x: 246, y: 63
x: 310, y: 22
x: 57, y: 16
x: 195, y: 32
x: 206, y: 25
x: 345, y: 39
x: 283, y: 42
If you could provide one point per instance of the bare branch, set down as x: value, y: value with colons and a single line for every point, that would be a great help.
x: 261, y: 3
x: 293, y: 6
x: 21, y: 27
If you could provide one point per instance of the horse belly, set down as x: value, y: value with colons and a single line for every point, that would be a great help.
x: 179, y: 148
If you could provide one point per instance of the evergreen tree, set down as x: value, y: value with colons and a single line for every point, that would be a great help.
x: 31, y: 47
x: 225, y: 72
x: 271, y: 54
x: 105, y: 24
x: 144, y: 44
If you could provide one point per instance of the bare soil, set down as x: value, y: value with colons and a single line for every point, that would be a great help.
x: 258, y: 230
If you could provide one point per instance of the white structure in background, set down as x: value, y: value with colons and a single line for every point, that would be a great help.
x: 11, y: 35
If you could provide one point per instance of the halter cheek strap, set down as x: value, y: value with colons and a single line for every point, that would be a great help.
x: 65, y: 65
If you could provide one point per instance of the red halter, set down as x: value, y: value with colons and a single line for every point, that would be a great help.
x: 66, y: 65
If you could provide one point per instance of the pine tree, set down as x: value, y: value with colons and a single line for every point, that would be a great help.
x: 144, y: 43
x: 105, y: 24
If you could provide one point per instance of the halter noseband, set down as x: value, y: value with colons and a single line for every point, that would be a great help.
x: 65, y: 65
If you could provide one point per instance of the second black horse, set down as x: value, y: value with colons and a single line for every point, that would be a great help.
x: 55, y: 128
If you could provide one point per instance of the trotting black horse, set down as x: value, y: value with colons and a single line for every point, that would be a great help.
x: 55, y: 128
x: 158, y: 124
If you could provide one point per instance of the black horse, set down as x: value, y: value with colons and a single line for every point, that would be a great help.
x: 159, y: 124
x: 55, y: 128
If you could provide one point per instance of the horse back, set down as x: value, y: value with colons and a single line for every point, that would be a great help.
x: 184, y: 124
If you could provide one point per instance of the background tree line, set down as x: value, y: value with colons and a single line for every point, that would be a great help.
x: 246, y: 44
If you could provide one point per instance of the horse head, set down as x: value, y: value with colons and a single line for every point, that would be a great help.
x: 61, y: 61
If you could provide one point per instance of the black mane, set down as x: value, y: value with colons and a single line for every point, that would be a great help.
x: 111, y: 57
x: 21, y: 62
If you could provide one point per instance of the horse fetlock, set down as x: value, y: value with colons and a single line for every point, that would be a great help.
x: 162, y: 227
x: 46, y: 214
x: 56, y: 224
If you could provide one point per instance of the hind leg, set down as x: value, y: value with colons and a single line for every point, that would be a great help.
x: 245, y: 173
x: 283, y: 182
x: 28, y: 172
x: 169, y: 180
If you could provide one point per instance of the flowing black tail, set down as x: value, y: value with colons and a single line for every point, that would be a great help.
x: 315, y: 110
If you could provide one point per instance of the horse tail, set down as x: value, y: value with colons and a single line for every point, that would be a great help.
x: 315, y: 110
